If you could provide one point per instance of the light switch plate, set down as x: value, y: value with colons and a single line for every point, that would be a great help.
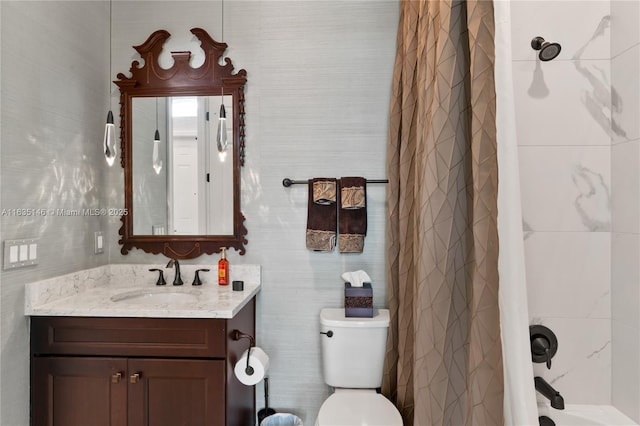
x: 98, y: 242
x: 19, y: 253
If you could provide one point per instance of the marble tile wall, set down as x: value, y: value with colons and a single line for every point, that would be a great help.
x: 564, y: 127
x: 625, y: 242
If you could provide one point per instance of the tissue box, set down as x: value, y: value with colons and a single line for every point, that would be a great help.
x: 358, y: 301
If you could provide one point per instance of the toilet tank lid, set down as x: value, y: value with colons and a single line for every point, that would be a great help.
x: 335, y: 317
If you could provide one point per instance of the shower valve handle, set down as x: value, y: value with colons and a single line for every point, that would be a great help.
x: 544, y: 344
x: 541, y: 347
x: 546, y: 354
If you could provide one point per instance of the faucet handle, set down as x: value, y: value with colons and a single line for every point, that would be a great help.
x: 161, y: 280
x: 196, y: 279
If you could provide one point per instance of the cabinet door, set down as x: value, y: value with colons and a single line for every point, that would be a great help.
x: 175, y: 392
x: 72, y: 391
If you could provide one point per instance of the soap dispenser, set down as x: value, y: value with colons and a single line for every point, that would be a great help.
x: 223, y: 268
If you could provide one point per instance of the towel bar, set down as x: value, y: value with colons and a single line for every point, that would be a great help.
x: 286, y: 182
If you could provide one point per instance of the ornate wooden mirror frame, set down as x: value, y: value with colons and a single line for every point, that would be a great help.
x: 150, y: 80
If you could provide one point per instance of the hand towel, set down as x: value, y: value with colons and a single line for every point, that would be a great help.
x: 352, y: 218
x: 324, y: 191
x: 322, y: 214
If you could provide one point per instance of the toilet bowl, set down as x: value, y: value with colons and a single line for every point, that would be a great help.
x: 358, y: 407
x: 353, y: 351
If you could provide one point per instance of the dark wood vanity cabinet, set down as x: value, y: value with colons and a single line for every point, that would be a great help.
x: 139, y: 371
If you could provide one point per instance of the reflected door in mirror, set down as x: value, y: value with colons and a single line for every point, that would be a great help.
x: 182, y: 199
x: 192, y: 193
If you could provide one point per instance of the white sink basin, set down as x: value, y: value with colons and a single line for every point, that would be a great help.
x: 160, y: 295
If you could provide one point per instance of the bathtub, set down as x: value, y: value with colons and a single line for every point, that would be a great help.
x: 585, y: 415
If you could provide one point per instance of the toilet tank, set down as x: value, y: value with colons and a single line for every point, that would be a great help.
x: 353, y: 357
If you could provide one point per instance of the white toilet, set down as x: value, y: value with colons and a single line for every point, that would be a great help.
x: 353, y: 352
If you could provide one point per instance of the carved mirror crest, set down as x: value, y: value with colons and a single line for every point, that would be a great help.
x: 182, y: 186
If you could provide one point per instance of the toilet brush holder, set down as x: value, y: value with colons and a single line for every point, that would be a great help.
x: 266, y: 411
x: 358, y: 301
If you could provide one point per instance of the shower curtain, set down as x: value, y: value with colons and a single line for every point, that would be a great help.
x: 444, y: 354
x: 519, y: 390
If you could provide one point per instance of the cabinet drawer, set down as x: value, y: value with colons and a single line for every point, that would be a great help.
x: 164, y: 337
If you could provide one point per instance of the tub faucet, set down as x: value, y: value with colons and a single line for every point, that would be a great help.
x: 557, y: 401
x: 177, y: 279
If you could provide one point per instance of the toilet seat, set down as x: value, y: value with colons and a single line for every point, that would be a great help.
x: 357, y: 407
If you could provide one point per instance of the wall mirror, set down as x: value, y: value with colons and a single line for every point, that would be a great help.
x: 181, y: 161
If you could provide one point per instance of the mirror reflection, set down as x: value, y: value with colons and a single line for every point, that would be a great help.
x: 182, y: 198
x: 182, y: 184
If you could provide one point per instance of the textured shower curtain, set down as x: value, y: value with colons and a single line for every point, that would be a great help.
x: 444, y: 355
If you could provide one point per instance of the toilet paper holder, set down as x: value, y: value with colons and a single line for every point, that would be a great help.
x: 237, y: 335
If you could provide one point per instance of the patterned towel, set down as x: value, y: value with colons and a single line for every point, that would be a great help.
x: 322, y: 214
x: 352, y: 219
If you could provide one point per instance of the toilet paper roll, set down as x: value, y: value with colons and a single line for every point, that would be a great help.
x: 258, y: 361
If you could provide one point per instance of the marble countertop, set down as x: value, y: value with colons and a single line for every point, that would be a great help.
x: 130, y: 291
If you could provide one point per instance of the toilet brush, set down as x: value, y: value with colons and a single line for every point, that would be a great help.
x: 266, y: 411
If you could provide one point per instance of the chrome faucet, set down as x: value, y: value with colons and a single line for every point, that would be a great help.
x: 177, y: 280
x: 557, y: 401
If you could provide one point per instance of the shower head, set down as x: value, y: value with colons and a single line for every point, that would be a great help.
x: 548, y: 51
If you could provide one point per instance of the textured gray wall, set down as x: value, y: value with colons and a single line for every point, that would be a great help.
x: 54, y: 103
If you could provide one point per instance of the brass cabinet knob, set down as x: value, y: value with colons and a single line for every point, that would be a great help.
x: 116, y: 377
x: 134, y: 378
